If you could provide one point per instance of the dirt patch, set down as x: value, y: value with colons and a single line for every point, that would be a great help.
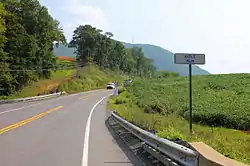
x: 66, y: 58
x: 52, y: 87
x: 247, y: 132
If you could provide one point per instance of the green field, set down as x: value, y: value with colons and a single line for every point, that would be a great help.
x: 218, y: 100
x: 220, y: 105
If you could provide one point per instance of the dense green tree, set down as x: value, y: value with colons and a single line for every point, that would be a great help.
x: 5, y: 76
x: 92, y: 45
x: 27, y: 34
x: 85, y: 40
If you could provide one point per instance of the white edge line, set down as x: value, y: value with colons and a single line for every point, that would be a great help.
x: 86, y: 137
x: 16, y: 109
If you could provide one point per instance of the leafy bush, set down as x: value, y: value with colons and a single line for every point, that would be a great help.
x: 120, y: 90
x: 120, y: 101
x: 166, y: 74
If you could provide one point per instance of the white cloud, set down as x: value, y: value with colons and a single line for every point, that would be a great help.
x: 74, y: 13
x: 86, y: 14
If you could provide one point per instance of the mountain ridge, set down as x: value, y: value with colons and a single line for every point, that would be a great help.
x: 164, y: 59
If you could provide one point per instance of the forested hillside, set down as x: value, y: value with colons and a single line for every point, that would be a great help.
x: 28, y: 35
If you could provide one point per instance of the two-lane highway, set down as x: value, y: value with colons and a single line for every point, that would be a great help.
x: 65, y: 131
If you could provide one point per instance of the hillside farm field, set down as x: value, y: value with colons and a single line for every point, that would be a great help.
x: 218, y: 100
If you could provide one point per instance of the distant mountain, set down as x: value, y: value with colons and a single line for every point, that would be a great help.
x: 163, y: 59
x: 62, y: 50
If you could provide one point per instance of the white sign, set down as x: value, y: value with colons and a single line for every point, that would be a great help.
x: 183, y: 58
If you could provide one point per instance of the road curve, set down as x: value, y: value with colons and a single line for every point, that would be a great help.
x: 64, y: 131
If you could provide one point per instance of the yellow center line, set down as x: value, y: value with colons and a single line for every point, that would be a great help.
x: 26, y: 121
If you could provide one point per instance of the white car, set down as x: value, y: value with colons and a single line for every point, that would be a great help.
x: 110, y: 86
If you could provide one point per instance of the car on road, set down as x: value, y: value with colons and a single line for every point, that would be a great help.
x: 110, y: 85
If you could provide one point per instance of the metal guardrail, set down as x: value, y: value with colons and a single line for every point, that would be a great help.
x: 35, y: 98
x: 175, y: 152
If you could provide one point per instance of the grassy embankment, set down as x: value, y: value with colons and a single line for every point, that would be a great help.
x: 88, y: 78
x: 220, y: 102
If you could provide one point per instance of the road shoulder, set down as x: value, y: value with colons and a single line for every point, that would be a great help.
x: 105, y: 148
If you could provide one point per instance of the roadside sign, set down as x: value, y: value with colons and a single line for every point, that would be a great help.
x: 182, y: 58
x: 190, y: 59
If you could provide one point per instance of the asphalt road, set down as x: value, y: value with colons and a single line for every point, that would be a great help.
x: 64, y: 131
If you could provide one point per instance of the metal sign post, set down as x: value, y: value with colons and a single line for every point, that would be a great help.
x: 190, y: 59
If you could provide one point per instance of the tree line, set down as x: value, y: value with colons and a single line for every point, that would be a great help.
x: 28, y: 34
x: 95, y: 46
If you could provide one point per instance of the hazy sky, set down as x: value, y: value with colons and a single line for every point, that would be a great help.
x: 218, y: 28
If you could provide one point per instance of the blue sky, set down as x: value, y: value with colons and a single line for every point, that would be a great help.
x: 218, y: 28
